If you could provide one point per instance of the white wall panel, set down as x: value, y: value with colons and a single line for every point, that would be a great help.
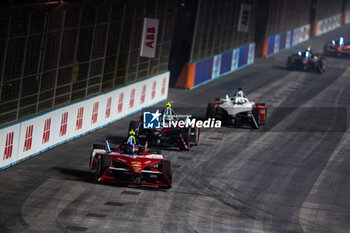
x: 40, y: 133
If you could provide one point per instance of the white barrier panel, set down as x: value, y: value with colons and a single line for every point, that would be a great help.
x: 328, y: 24
x: 296, y: 36
x: 9, y: 138
x: 235, y: 58
x: 288, y: 39
x: 251, y: 53
x: 304, y: 33
x: 35, y: 135
x: 216, y: 66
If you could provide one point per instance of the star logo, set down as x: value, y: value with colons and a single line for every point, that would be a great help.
x: 151, y: 120
x: 155, y: 115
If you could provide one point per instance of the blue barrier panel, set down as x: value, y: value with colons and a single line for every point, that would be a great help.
x: 271, y: 45
x: 199, y: 73
x: 243, y: 55
x: 283, y: 38
x: 204, y: 70
x: 226, y: 62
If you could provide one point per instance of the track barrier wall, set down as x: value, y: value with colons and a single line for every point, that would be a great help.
x: 328, y: 24
x: 30, y: 137
x: 285, y: 40
x: 206, y: 70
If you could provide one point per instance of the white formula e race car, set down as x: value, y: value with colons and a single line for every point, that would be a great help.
x: 238, y: 111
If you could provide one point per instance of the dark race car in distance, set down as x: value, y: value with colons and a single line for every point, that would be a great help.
x: 182, y: 137
x: 337, y: 48
x: 307, y: 61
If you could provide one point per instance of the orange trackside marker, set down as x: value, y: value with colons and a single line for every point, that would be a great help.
x: 186, y: 79
x: 265, y: 47
x: 315, y: 29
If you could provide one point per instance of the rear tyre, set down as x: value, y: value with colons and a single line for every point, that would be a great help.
x: 210, y: 110
x: 195, y: 136
x: 263, y: 122
x: 255, y: 123
x: 321, y: 66
x: 168, y: 173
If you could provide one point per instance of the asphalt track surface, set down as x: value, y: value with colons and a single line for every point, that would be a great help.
x: 290, y: 176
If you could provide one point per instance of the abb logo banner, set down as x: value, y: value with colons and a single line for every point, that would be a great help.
x: 46, y: 133
x: 28, y: 139
x: 120, y: 102
x: 108, y: 107
x: 64, y: 120
x: 80, y: 117
x: 154, y: 86
x: 94, y: 113
x: 132, y: 98
x: 163, y: 86
x: 149, y: 37
x: 143, y: 94
x: 8, y: 146
x: 244, y: 16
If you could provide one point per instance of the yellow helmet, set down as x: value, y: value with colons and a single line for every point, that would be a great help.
x: 309, y: 47
x: 132, y: 132
x: 168, y: 104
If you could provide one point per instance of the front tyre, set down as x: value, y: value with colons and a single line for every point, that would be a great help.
x: 210, y: 111
x: 195, y: 136
x: 168, y: 174
x: 255, y: 121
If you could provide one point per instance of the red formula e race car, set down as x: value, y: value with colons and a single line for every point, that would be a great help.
x: 337, y: 48
x: 169, y: 134
x: 238, y: 111
x: 130, y: 164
